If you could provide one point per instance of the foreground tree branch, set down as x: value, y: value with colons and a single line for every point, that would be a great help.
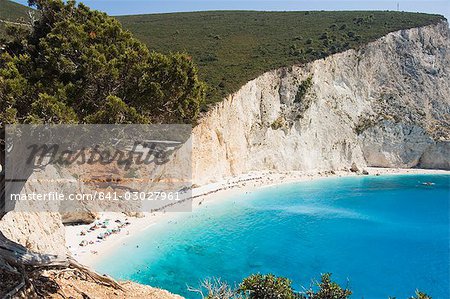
x: 18, y: 261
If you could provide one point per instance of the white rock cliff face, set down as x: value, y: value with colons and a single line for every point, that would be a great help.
x: 35, y: 224
x: 386, y: 104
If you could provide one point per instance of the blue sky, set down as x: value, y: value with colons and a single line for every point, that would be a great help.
x: 124, y: 7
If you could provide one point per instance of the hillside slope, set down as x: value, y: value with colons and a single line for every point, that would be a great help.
x: 12, y: 12
x: 234, y: 47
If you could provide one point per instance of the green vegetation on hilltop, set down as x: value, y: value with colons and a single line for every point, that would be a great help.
x: 12, y: 12
x: 234, y: 47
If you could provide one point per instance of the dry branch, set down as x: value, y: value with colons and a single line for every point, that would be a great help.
x: 18, y: 260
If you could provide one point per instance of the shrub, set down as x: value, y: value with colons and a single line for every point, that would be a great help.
x: 278, y: 123
x: 303, y: 89
x: 268, y: 286
x: 217, y: 289
x: 358, y: 21
x: 324, y: 35
x: 328, y: 289
x: 209, y: 57
x: 421, y: 295
x: 295, y: 50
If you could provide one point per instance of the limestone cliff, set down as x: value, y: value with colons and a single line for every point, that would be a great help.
x: 37, y: 227
x: 386, y: 104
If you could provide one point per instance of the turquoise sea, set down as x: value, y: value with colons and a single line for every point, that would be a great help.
x: 383, y: 236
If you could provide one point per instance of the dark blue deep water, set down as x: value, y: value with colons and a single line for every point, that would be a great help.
x: 384, y: 236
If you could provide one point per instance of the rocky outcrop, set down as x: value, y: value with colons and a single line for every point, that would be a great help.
x: 81, y: 216
x: 386, y: 104
x: 390, y: 144
x: 38, y: 231
x: 38, y: 224
x: 436, y: 156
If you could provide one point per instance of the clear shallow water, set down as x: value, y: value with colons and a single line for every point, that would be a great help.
x: 385, y: 235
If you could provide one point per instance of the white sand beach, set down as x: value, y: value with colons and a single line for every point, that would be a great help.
x: 94, y: 248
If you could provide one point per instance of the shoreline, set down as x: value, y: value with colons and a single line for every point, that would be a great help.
x: 90, y: 254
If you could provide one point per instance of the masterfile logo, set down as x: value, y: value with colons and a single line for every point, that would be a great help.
x: 108, y: 167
